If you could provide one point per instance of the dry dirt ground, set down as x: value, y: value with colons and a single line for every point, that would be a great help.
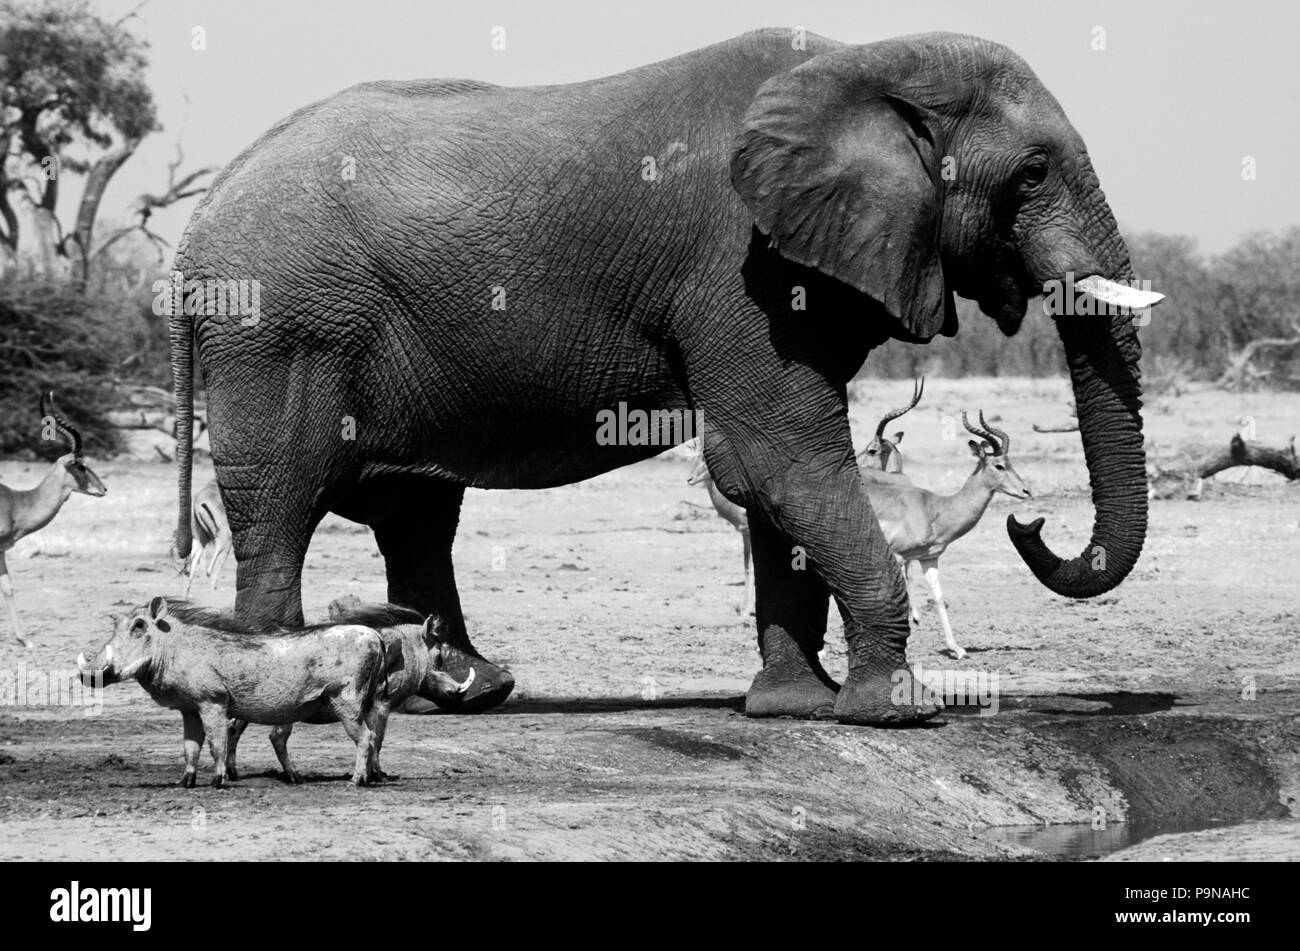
x: 1167, y: 706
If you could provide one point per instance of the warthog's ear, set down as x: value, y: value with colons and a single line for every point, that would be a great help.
x: 435, y: 631
x: 158, y: 608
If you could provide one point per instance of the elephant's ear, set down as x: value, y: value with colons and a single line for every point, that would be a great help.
x: 838, y: 171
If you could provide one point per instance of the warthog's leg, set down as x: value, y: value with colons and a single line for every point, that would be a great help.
x: 234, y: 731
x: 280, y: 743
x: 193, y: 746
x: 215, y: 719
x: 378, y: 726
x: 349, y: 714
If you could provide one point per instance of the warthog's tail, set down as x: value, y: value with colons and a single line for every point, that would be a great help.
x: 373, y: 676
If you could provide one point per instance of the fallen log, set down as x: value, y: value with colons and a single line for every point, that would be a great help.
x: 1188, y: 473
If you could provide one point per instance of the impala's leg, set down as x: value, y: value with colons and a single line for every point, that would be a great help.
x: 280, y: 743
x: 7, y: 589
x: 913, y: 616
x: 193, y: 746
x: 221, y: 551
x: 931, y: 567
x: 792, y: 606
x: 195, y: 557
x: 416, y: 544
x: 747, y: 610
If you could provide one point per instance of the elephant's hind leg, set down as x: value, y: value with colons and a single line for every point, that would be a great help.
x: 416, y: 543
x: 792, y: 606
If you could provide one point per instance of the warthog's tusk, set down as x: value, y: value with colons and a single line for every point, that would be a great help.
x: 468, y: 680
x: 1120, y: 295
x: 81, y: 661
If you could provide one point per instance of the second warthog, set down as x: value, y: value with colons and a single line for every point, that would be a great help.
x: 417, y: 654
x: 212, y: 668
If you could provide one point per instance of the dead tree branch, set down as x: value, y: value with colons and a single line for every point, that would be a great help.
x: 1185, y: 475
x: 1239, y: 373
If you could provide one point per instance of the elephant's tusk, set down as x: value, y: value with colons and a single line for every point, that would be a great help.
x: 108, y: 653
x: 81, y: 661
x: 1119, y: 295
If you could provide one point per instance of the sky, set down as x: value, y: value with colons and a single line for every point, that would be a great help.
x: 1180, y: 96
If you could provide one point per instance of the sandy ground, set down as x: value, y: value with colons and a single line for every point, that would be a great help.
x: 1167, y: 705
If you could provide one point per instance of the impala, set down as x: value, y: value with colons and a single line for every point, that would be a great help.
x: 738, y: 519
x: 882, y: 453
x: 23, y: 511
x: 920, y: 525
x: 211, y: 533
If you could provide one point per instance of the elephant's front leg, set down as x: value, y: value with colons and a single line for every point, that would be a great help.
x: 791, y: 609
x: 815, y: 501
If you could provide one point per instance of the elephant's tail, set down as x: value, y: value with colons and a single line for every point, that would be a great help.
x: 181, y: 329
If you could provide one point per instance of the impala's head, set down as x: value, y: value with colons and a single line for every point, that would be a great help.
x: 882, y: 452
x: 77, y: 474
x: 993, y: 454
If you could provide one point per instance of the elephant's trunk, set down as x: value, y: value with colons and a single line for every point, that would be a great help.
x: 1102, y: 353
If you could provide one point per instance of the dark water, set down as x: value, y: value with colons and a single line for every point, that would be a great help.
x: 1080, y: 840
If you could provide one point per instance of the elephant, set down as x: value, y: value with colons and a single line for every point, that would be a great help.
x: 456, y: 279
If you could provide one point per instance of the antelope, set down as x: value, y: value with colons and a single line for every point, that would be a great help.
x: 23, y: 511
x: 211, y: 533
x: 735, y: 515
x: 919, y: 525
x: 882, y: 453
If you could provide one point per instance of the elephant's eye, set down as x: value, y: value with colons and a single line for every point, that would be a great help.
x: 1034, y: 173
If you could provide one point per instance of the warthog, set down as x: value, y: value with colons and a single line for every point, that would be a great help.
x: 416, y: 651
x: 212, y: 668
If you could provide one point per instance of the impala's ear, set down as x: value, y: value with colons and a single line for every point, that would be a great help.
x: 898, y: 437
x: 839, y: 171
x: 976, y: 448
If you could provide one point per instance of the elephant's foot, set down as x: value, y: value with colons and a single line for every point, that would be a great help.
x: 791, y: 689
x: 884, y: 696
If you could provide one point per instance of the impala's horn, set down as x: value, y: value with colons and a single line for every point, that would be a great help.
x: 61, y: 425
x: 918, y: 387
x: 984, y: 434
x: 1003, y: 438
